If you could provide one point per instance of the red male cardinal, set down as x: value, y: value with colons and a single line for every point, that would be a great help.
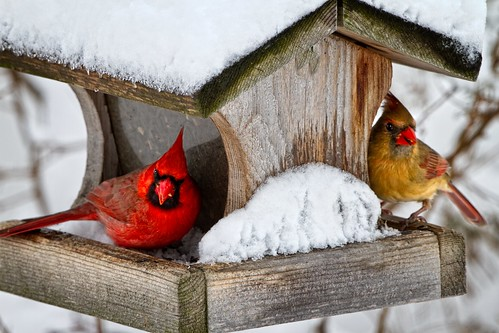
x: 403, y: 168
x: 147, y: 208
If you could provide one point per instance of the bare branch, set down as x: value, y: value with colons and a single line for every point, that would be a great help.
x: 433, y: 107
x: 3, y: 328
x: 382, y: 321
x: 321, y: 328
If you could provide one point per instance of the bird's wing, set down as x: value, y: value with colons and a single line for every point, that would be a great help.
x: 431, y: 161
x: 117, y: 197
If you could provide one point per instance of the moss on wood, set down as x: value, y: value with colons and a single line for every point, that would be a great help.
x: 406, y: 42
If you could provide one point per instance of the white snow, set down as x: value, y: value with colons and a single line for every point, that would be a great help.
x: 312, y: 206
x: 175, y: 45
x: 178, y: 45
x: 463, y: 20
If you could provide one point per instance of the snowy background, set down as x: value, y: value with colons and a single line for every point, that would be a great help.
x: 55, y: 132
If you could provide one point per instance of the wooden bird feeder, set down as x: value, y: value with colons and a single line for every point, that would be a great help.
x: 310, y: 94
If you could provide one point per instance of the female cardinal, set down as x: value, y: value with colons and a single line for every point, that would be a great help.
x: 403, y: 168
x: 147, y: 208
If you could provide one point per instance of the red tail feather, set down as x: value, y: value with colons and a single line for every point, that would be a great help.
x: 467, y: 209
x: 83, y: 212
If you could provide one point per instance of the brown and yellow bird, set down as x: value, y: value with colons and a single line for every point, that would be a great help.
x: 403, y: 168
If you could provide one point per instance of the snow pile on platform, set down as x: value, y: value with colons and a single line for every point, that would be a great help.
x: 462, y: 20
x: 312, y: 206
x: 174, y: 45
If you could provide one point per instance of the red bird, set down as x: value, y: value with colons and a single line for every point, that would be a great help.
x: 403, y: 168
x: 148, y: 208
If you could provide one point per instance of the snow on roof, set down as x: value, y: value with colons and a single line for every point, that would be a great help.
x: 175, y: 45
x: 462, y: 20
x: 312, y: 206
x: 178, y: 45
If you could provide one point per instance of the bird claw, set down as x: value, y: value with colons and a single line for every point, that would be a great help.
x: 413, y: 222
x: 416, y: 219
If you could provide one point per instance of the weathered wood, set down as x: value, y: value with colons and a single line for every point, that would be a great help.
x: 452, y: 263
x: 322, y: 283
x: 406, y: 42
x: 102, y: 159
x: 157, y: 295
x: 112, y: 283
x: 317, y: 109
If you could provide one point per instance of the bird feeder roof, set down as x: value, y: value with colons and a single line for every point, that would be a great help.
x: 193, y: 57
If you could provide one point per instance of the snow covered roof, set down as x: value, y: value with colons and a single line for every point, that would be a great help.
x: 165, y: 49
x: 175, y: 45
x: 461, y: 20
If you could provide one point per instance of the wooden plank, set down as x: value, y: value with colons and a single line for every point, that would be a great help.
x: 356, y: 277
x: 138, y: 290
x: 406, y: 42
x: 112, y: 283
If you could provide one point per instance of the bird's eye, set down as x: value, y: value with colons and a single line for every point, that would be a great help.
x: 390, y: 127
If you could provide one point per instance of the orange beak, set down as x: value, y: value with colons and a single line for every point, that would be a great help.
x: 161, y: 198
x: 407, y: 137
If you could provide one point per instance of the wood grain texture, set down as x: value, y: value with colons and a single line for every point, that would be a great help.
x: 317, y: 108
x: 356, y: 277
x: 406, y: 42
x: 452, y: 263
x: 157, y: 295
x: 116, y: 284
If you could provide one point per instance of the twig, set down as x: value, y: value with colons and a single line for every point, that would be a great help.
x: 382, y: 320
x: 98, y: 325
x: 3, y: 328
x: 321, y: 328
x: 15, y: 200
x: 433, y: 107
x: 478, y: 122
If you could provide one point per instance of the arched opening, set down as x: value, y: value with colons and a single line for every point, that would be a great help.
x: 125, y: 135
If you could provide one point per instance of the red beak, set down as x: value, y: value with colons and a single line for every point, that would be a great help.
x: 165, y: 190
x: 407, y: 137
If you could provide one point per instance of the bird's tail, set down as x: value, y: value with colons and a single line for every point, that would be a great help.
x: 83, y: 212
x: 467, y: 209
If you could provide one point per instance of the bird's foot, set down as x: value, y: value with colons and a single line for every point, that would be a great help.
x: 413, y: 222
